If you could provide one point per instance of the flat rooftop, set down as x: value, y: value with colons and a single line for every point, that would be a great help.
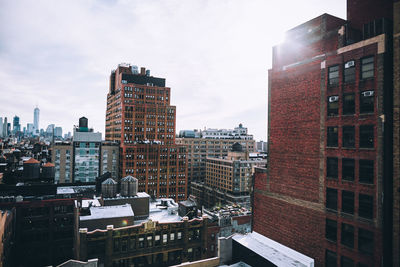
x: 273, y: 251
x: 162, y: 214
x: 106, y: 212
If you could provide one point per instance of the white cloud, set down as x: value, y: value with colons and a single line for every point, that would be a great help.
x: 214, y: 55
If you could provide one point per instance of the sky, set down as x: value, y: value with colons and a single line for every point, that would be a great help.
x: 214, y: 54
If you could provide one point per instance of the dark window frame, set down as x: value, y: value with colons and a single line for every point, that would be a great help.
x: 349, y: 72
x: 366, y: 173
x: 332, y: 136
x: 348, y: 136
x: 366, y: 72
x: 346, y: 262
x: 333, y: 106
x: 348, y: 169
x: 347, y: 236
x: 330, y: 258
x: 365, y: 241
x: 366, y: 206
x: 331, y: 198
x: 331, y: 230
x: 333, y: 75
x: 348, y: 202
x: 349, y: 105
x: 366, y: 106
x: 332, y: 166
x: 367, y: 136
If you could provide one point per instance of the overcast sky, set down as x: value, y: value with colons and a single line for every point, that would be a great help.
x: 214, y: 55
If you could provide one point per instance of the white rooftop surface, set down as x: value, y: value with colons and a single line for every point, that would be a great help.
x: 160, y: 214
x: 108, y: 212
x: 273, y: 251
x: 139, y: 195
x: 72, y: 189
x: 90, y: 202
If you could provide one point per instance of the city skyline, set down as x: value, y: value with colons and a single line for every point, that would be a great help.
x: 206, y: 50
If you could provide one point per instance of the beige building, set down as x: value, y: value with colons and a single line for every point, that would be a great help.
x: 199, y: 149
x: 228, y: 179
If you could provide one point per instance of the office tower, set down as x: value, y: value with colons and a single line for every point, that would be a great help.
x: 16, y: 125
x: 36, y: 112
x: 50, y: 129
x: 331, y: 190
x: 1, y: 127
x: 86, y: 157
x: 139, y: 116
x: 30, y: 128
x: 58, y: 131
x: 5, y: 127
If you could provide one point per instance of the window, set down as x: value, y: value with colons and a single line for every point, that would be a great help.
x: 157, y: 240
x: 333, y: 105
x: 333, y: 75
x: 331, y: 230
x: 330, y: 259
x: 179, y: 235
x: 349, y: 71
x: 141, y: 242
x: 331, y: 198
x: 366, y: 173
x: 347, y: 235
x: 348, y: 169
x: 365, y: 206
x: 172, y: 236
x: 348, y: 136
x: 332, y: 137
x: 367, y: 102
x: 149, y: 240
x: 346, y: 262
x: 366, y: 136
x: 332, y: 168
x: 348, y: 104
x: 165, y: 238
x: 365, y: 241
x: 367, y: 68
x: 348, y: 202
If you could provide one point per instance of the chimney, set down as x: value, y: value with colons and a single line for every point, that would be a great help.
x: 142, y: 71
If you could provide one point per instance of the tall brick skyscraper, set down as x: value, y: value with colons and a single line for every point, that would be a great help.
x: 331, y: 189
x: 140, y: 117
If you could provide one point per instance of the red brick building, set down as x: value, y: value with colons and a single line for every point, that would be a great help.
x: 140, y: 117
x: 331, y: 187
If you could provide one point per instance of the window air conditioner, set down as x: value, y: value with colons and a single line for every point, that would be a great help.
x: 333, y: 98
x: 367, y: 93
x: 349, y: 64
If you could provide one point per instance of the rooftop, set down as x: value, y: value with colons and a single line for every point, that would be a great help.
x: 273, y: 251
x: 108, y: 212
x: 163, y: 210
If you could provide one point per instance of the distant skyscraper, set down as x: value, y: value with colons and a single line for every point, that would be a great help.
x: 16, y: 125
x: 36, y: 112
x: 58, y: 132
x: 50, y: 129
x: 5, y: 133
x: 1, y: 127
x: 30, y: 128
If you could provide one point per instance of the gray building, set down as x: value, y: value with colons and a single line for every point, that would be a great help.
x: 86, y: 157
